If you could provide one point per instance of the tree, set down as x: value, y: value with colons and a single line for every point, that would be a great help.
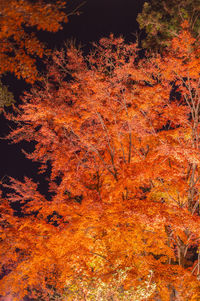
x: 162, y: 20
x: 19, y: 43
x: 122, y: 137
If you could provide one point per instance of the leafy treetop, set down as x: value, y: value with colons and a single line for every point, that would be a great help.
x: 122, y: 137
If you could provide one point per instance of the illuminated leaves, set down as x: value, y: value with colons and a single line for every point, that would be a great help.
x: 122, y: 138
x: 18, y: 47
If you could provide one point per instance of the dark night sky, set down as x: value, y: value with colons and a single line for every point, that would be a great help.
x: 98, y: 18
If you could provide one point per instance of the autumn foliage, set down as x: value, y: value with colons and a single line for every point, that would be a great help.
x: 121, y: 137
x: 19, y: 44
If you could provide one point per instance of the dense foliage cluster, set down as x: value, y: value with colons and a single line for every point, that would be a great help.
x: 119, y: 137
x: 19, y: 43
x: 162, y: 20
x: 122, y: 138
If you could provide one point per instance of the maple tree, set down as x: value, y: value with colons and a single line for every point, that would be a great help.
x: 122, y: 137
x: 19, y: 44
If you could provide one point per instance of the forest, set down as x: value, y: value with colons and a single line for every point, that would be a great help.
x: 116, y: 134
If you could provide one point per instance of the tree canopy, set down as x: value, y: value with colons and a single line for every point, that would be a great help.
x: 19, y: 45
x: 162, y: 21
x: 121, y: 135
